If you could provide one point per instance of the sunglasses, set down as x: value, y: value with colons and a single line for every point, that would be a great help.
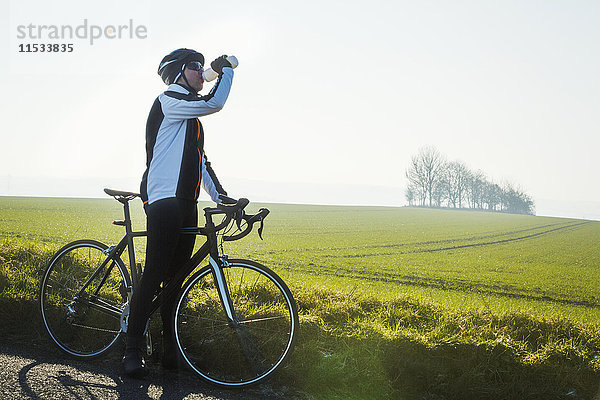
x: 195, y: 66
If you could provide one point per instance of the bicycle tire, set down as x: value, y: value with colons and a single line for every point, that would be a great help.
x: 242, y: 354
x: 84, y: 326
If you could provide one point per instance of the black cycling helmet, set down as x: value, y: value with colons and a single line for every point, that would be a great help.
x: 173, y: 64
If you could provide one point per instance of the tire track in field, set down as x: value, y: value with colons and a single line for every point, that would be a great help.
x: 464, y: 239
x: 430, y: 242
x: 506, y: 240
x: 489, y: 243
x: 458, y: 285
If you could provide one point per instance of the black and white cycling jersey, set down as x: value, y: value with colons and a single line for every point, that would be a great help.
x: 176, y: 165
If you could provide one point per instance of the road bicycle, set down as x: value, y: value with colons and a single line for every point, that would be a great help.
x: 235, y: 320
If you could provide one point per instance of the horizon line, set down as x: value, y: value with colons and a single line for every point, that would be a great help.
x: 462, y: 209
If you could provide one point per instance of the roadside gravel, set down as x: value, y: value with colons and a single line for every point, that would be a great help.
x: 32, y: 371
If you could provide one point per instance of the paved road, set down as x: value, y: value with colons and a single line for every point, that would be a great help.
x: 33, y: 371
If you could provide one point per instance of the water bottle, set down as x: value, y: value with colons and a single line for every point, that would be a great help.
x: 210, y: 75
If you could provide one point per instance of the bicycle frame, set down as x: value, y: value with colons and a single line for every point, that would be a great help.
x: 209, y: 248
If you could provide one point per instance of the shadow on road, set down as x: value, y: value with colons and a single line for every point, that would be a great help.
x: 40, y: 373
x: 39, y: 380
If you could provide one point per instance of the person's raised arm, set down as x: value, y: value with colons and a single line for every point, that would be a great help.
x: 178, y: 106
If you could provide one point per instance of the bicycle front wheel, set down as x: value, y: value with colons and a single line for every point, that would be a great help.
x: 82, y: 295
x: 244, y: 351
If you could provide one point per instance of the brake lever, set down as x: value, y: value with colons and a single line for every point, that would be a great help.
x: 260, y: 229
x: 239, y: 216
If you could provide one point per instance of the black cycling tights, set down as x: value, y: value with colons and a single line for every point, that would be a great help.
x: 166, y: 251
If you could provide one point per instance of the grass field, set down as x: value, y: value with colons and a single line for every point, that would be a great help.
x: 396, y: 302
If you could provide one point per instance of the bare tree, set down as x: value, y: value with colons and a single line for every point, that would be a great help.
x: 516, y: 201
x: 475, y: 186
x: 425, y: 172
x: 417, y: 186
x: 438, y: 194
x: 411, y: 195
x: 456, y: 175
x: 492, y: 195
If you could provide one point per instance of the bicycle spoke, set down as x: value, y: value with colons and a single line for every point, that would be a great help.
x: 205, y: 326
x: 63, y: 287
x: 262, y: 319
x: 95, y: 328
x: 206, y: 319
x: 215, y: 334
x: 254, y: 328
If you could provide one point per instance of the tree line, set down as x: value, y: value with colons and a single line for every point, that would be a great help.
x: 435, y: 182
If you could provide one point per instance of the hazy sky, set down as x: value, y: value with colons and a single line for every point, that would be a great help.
x: 330, y: 101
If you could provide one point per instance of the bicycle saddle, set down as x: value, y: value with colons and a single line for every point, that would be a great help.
x: 121, y: 194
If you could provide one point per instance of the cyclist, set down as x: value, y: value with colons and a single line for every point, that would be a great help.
x: 176, y: 169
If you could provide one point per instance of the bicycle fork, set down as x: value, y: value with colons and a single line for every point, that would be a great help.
x: 253, y: 354
x: 223, y: 290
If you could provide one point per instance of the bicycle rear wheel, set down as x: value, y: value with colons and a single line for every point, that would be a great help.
x: 83, y: 323
x: 248, y: 350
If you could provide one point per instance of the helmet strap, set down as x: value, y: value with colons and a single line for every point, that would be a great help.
x: 186, y: 81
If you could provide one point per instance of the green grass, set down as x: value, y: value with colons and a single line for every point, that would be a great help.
x: 395, y: 302
x: 537, y: 265
x: 410, y: 349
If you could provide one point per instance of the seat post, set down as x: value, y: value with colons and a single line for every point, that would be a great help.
x: 130, y: 248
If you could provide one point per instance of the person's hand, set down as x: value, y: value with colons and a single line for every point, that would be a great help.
x: 226, y: 199
x: 219, y: 63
